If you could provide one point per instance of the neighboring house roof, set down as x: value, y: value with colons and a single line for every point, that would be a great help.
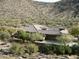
x: 42, y: 29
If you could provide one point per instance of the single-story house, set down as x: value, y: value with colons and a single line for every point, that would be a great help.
x: 50, y: 33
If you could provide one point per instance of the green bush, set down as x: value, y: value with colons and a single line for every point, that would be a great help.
x: 65, y: 38
x: 47, y: 49
x: 58, y: 49
x: 17, y: 49
x: 63, y: 50
x: 74, y: 30
x: 37, y: 36
x: 75, y: 49
x: 31, y: 48
x: 23, y: 35
x: 4, y: 35
x: 55, y: 49
x: 68, y: 50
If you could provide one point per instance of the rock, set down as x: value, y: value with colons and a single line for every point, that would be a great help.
x: 66, y: 57
x: 39, y: 57
x: 73, y: 57
x: 25, y: 56
x: 20, y: 58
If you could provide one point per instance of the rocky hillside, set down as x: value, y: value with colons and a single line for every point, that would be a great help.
x: 64, y: 10
x: 22, y: 9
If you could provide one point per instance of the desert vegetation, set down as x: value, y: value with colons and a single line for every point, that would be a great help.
x: 26, y: 42
x: 13, y: 20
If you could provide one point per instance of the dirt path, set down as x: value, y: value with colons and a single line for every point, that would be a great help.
x: 6, y: 57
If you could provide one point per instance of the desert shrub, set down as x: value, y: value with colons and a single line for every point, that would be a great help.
x: 17, y: 49
x: 55, y: 49
x: 60, y: 50
x: 75, y: 49
x: 68, y: 50
x: 36, y: 36
x: 4, y: 35
x: 23, y: 35
x: 31, y: 48
x: 74, y: 30
x: 65, y: 38
x: 47, y: 49
x: 11, y: 31
x: 8, y: 29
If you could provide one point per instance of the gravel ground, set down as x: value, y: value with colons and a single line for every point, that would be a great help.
x: 39, y: 57
x: 4, y: 47
x: 6, y: 57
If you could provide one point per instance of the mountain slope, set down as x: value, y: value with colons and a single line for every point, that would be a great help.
x: 23, y: 9
x: 17, y: 9
x: 64, y: 11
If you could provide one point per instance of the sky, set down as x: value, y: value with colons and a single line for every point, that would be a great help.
x: 47, y: 0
